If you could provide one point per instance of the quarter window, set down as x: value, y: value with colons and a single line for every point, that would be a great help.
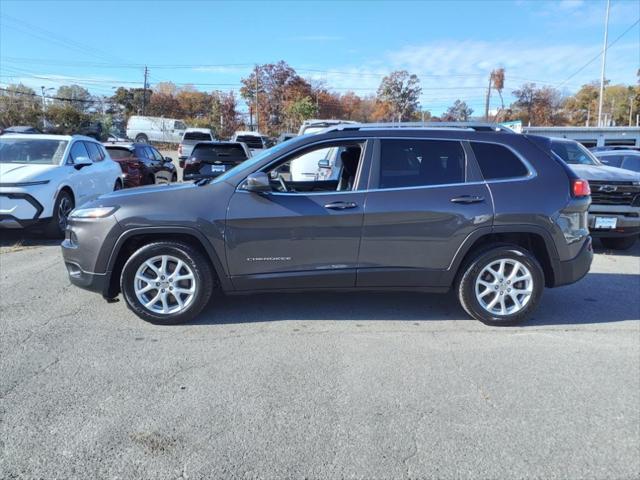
x: 412, y: 163
x: 497, y: 161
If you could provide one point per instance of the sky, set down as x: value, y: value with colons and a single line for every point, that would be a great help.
x: 350, y: 45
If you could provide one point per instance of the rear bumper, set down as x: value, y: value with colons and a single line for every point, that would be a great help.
x: 571, y: 271
x: 627, y: 220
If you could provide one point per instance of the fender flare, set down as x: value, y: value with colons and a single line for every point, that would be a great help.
x: 473, y: 237
x: 218, y: 266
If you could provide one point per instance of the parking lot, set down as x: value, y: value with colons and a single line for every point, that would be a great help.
x: 367, y: 385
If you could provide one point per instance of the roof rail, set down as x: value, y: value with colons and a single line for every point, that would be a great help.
x: 475, y: 126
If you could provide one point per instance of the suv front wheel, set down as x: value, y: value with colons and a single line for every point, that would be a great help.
x: 167, y: 282
x: 501, y: 286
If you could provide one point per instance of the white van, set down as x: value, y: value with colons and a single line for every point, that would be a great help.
x: 155, y: 129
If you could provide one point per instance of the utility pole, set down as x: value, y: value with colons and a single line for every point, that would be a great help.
x: 604, y: 61
x: 144, y: 90
x: 44, y: 110
x: 486, y: 105
x: 630, y: 109
x: 588, y: 114
x: 257, y: 104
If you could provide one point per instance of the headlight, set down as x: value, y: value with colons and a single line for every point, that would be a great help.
x: 25, y: 184
x: 96, y: 212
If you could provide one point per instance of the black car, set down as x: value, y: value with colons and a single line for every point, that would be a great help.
x: 142, y: 164
x: 494, y: 215
x: 210, y: 159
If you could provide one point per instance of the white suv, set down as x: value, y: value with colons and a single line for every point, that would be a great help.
x: 44, y: 177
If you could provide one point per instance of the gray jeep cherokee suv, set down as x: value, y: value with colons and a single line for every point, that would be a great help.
x: 492, y: 214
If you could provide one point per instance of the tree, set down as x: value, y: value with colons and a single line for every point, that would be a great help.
x: 19, y: 105
x: 164, y: 105
x: 538, y: 106
x: 274, y: 84
x: 458, y: 112
x: 298, y: 111
x: 497, y: 79
x: 401, y: 92
x: 194, y: 104
x: 131, y: 99
x: 74, y: 95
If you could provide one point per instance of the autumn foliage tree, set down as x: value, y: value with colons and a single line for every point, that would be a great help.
x: 400, y: 92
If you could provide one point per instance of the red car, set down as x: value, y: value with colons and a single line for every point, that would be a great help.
x: 142, y: 164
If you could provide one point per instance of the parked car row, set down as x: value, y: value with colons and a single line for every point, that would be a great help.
x: 44, y: 177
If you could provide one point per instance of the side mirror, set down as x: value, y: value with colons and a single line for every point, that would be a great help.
x: 324, y: 164
x: 81, y: 162
x: 257, y: 182
x: 168, y: 159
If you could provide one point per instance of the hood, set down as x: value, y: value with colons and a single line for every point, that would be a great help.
x: 140, y: 194
x: 605, y: 173
x: 24, y: 172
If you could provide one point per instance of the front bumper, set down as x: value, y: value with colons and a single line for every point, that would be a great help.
x: 94, y: 282
x: 573, y: 270
x: 19, y: 210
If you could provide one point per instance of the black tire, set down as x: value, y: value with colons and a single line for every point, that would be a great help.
x: 117, y: 186
x: 618, y: 243
x: 199, y: 265
x: 151, y: 180
x: 64, y: 204
x: 466, y: 285
x: 142, y: 138
x: 174, y: 178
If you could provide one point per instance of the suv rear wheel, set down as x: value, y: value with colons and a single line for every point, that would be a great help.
x: 501, y: 286
x: 167, y: 282
x: 618, y: 243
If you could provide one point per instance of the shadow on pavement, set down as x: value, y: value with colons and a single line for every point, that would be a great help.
x: 598, y: 298
x: 30, y: 237
x: 634, y: 251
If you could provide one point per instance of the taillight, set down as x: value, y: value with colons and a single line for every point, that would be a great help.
x: 580, y: 188
x: 179, y: 149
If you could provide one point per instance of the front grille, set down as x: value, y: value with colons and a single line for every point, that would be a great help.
x: 614, y: 193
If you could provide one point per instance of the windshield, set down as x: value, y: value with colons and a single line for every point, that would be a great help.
x: 248, y: 165
x: 573, y: 153
x: 35, y: 151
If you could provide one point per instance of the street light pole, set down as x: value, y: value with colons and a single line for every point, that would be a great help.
x: 604, y: 61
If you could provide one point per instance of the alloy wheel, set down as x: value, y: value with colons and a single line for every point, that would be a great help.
x: 165, y: 284
x: 504, y: 287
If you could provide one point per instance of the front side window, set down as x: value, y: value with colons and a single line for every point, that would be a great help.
x: 498, y: 162
x: 413, y: 163
x: 322, y: 169
x: 94, y: 152
x: 178, y: 125
x: 33, y: 151
x: 78, y: 150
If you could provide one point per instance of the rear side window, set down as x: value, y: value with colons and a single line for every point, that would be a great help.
x: 222, y: 153
x: 411, y: 163
x: 202, y: 136
x: 94, y: 152
x: 497, y: 162
x: 141, y: 152
x: 611, y: 160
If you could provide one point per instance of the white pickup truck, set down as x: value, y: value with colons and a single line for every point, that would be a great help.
x: 190, y: 137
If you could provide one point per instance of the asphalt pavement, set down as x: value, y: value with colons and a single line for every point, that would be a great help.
x: 350, y: 385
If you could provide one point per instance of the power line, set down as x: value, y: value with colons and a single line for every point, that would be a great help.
x: 599, y: 54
